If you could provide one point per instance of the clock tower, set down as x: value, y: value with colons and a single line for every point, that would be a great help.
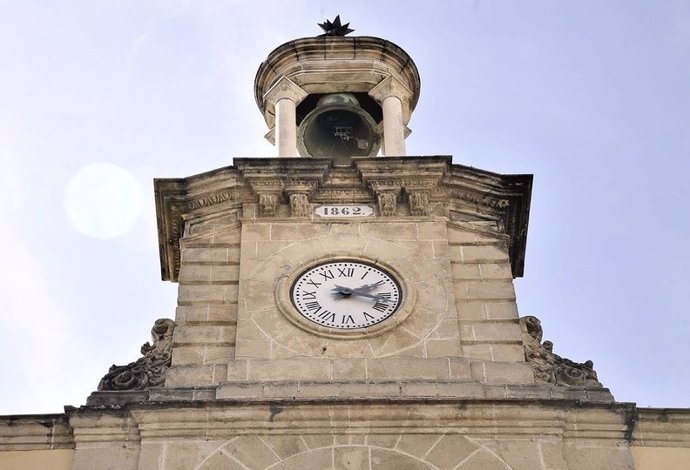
x: 345, y: 305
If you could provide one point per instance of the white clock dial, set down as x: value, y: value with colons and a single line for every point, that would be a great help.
x: 346, y: 294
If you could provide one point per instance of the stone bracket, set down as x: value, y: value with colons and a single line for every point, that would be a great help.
x: 415, y: 178
x: 428, y: 184
x: 293, y: 181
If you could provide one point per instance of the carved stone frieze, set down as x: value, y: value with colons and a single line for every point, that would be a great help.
x: 483, y: 200
x: 148, y: 371
x: 303, y: 185
x: 420, y: 183
x: 207, y: 201
x: 549, y: 367
x: 386, y: 185
x: 342, y: 195
x: 299, y: 205
x: 176, y: 223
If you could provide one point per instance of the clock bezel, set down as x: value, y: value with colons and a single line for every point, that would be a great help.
x: 285, y: 305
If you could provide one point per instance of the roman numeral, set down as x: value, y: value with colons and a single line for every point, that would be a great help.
x: 367, y: 317
x: 346, y: 272
x: 347, y: 319
x: 365, y: 273
x: 327, y: 275
x: 327, y: 316
x: 312, y: 305
x: 381, y: 307
x: 306, y: 295
x: 385, y: 295
x: 315, y: 284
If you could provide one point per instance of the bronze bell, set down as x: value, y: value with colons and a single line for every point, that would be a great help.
x: 338, y: 128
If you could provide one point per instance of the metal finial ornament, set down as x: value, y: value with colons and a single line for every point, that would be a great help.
x: 335, y: 28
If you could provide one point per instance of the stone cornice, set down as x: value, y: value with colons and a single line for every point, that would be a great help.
x: 401, y: 187
x: 622, y: 423
x: 35, y: 432
x: 331, y: 64
x: 662, y: 427
x: 179, y: 199
x: 508, y: 197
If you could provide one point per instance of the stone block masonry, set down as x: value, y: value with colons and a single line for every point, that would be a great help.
x: 483, y: 286
x: 205, y: 336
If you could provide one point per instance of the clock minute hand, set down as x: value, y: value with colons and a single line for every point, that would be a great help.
x: 349, y: 291
x: 368, y: 287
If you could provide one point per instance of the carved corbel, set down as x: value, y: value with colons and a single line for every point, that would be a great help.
x: 418, y: 202
x: 268, y: 204
x: 418, y: 190
x: 269, y: 191
x: 387, y: 202
x: 387, y: 193
x: 299, y: 205
x: 298, y: 192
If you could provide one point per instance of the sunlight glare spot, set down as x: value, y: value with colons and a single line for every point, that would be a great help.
x: 103, y: 200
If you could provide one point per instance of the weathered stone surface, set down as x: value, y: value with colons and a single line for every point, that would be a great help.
x: 550, y: 367
x: 432, y: 186
x: 148, y: 371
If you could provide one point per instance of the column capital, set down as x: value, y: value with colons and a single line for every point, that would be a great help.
x: 391, y: 86
x: 285, y: 88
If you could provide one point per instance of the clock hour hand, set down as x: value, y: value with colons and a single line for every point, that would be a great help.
x: 347, y: 291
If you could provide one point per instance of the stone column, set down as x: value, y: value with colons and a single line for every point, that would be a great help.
x: 285, y: 95
x: 394, y: 98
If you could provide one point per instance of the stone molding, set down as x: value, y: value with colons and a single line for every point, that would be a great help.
x: 666, y: 427
x: 335, y: 64
x: 399, y: 186
x: 570, y: 420
x: 35, y: 432
x: 285, y: 88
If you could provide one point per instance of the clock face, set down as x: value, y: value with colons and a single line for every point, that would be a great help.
x: 346, y: 294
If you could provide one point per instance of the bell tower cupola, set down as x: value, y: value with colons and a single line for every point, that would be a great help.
x: 337, y: 96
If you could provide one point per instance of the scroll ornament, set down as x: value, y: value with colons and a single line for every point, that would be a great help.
x: 148, y: 371
x: 552, y: 368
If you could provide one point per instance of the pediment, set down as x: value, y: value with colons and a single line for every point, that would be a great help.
x: 399, y: 187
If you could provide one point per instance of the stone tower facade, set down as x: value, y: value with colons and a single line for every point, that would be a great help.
x: 349, y: 313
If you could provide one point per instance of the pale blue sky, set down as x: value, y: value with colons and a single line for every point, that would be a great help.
x: 592, y: 97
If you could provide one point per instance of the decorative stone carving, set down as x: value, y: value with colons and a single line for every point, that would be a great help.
x: 268, y: 204
x: 451, y: 190
x: 387, y: 202
x: 549, y: 367
x: 299, y: 205
x: 489, y: 201
x: 148, y: 371
x: 419, y: 203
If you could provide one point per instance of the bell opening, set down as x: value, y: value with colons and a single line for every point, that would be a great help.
x: 338, y: 128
